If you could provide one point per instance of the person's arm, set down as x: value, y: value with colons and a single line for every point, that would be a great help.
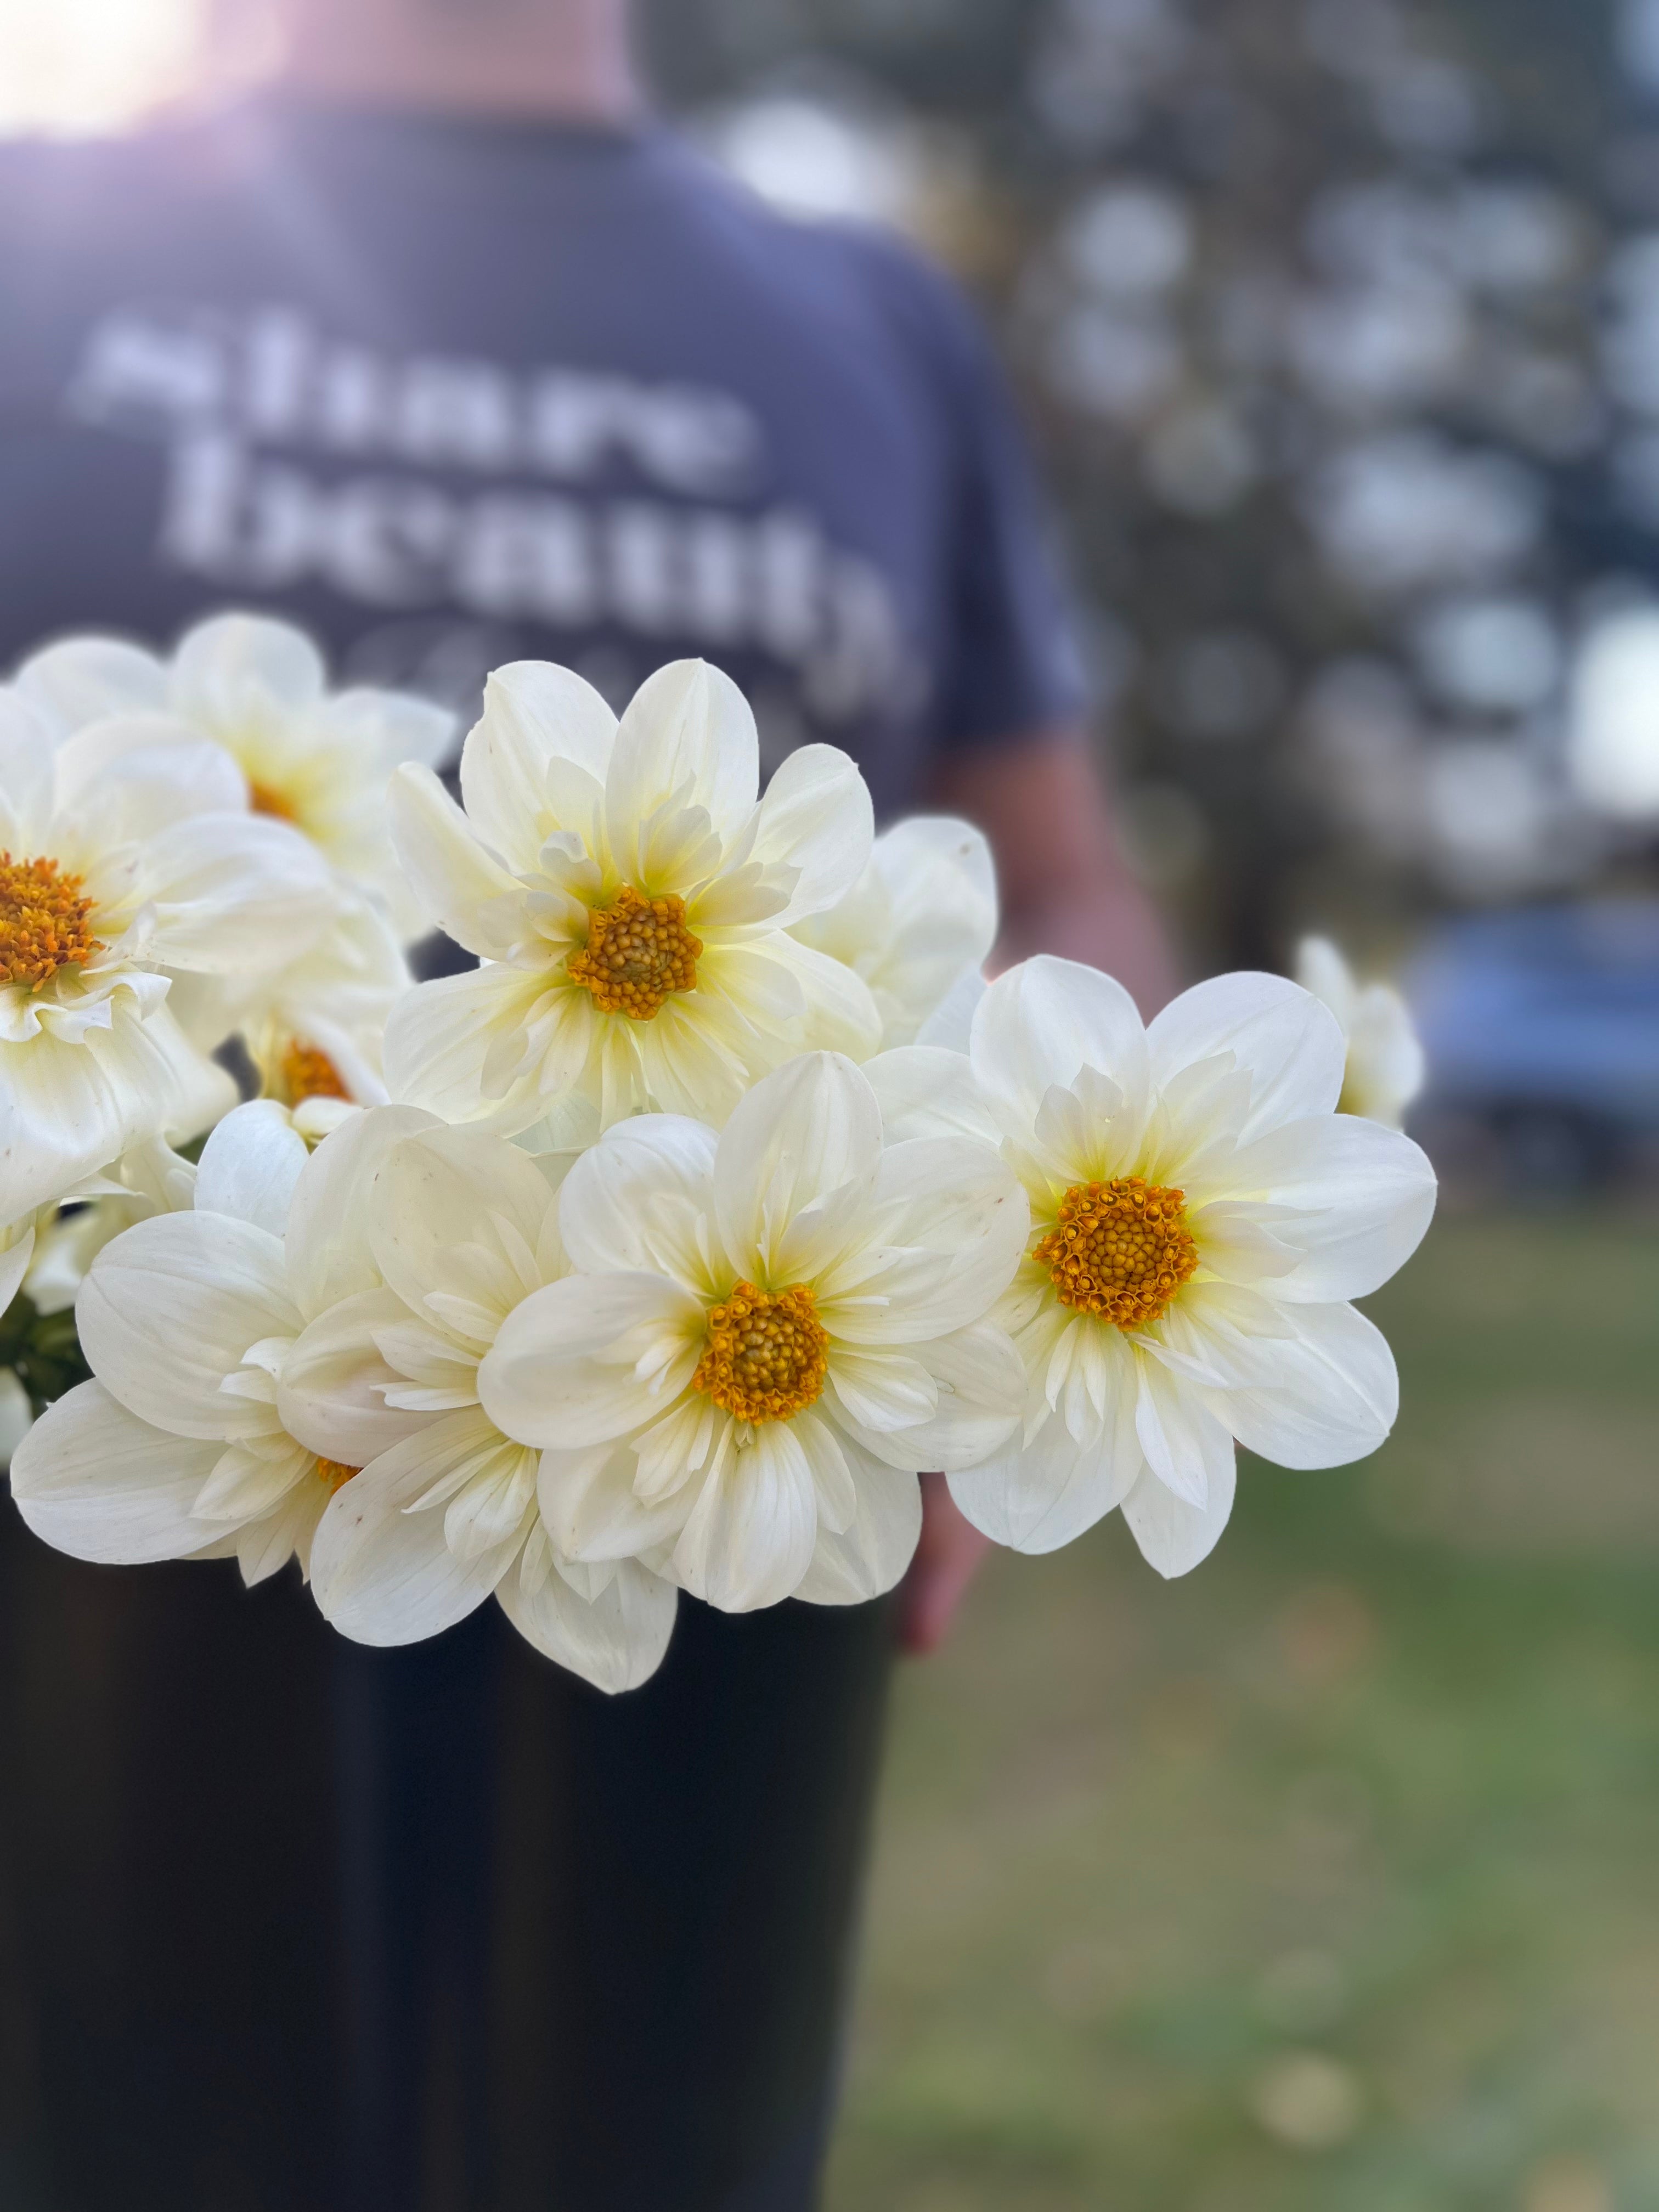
x: 1064, y: 883
x: 1065, y: 888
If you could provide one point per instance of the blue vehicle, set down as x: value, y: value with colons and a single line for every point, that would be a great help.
x: 1543, y: 1023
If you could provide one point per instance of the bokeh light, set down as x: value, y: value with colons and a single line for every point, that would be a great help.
x: 80, y: 67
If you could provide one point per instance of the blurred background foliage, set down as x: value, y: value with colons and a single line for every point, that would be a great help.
x: 1338, y: 324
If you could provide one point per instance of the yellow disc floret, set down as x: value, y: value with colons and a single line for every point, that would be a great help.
x: 766, y: 1354
x: 44, y: 921
x: 264, y: 799
x: 638, y: 952
x: 334, y: 1473
x: 1121, y: 1250
x: 306, y: 1073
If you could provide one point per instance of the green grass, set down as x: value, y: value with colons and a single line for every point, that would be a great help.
x: 1327, y: 1880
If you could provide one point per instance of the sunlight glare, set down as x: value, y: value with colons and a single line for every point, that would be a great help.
x: 75, y: 67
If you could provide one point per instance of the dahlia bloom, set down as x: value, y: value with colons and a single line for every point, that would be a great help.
x: 631, y: 902
x: 314, y: 758
x: 1201, y: 1216
x: 1385, y: 1064
x: 769, y: 1334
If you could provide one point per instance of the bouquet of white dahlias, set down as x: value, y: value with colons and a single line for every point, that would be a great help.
x: 669, y: 1246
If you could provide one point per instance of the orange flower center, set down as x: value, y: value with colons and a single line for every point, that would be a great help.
x: 44, y: 921
x: 308, y: 1073
x: 263, y: 799
x: 334, y: 1473
x: 766, y: 1356
x: 1121, y: 1250
x: 638, y: 952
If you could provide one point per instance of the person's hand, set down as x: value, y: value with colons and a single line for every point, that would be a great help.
x: 947, y: 1558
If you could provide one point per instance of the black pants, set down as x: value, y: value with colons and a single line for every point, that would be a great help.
x: 286, y: 1925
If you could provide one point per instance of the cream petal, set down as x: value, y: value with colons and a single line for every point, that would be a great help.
x: 925, y: 1091
x: 1328, y: 1397
x: 460, y: 1212
x: 1044, y: 1021
x: 816, y: 819
x: 1365, y: 1196
x: 385, y: 1575
x: 840, y: 1013
x: 1174, y: 1536
x: 535, y: 713
x: 639, y: 1201
x: 265, y: 1546
x: 1291, y: 1044
x: 82, y: 679
x: 15, y: 1265
x: 250, y: 1165
x: 981, y: 1385
x: 688, y: 1059
x: 168, y: 1308
x: 245, y: 1484
x: 798, y: 1136
x: 330, y: 1396
x: 329, y: 1255
x: 232, y: 669
x: 591, y: 1511
x: 615, y: 1641
x: 588, y: 1358
x: 749, y: 1537
x: 93, y: 1479
x: 949, y: 1195
x: 881, y: 1390
x: 461, y: 885
x: 950, y: 1027
x: 440, y: 1034
x: 1180, y: 1439
x: 224, y: 888
x: 154, y: 766
x: 827, y: 1456
x: 687, y: 729
x: 1040, y: 1495
x: 870, y: 1556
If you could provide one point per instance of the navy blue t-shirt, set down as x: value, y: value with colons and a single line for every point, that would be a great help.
x: 453, y: 393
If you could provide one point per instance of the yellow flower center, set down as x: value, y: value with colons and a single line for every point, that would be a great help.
x: 308, y: 1073
x: 44, y: 921
x: 766, y: 1354
x: 263, y: 799
x: 334, y: 1473
x: 638, y: 952
x: 1121, y: 1250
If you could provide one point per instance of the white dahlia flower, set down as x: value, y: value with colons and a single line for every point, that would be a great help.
x: 1200, y: 1215
x: 178, y: 1447
x: 1386, y: 1066
x: 316, y: 758
x: 123, y: 863
x: 920, y: 921
x: 770, y: 1333
x: 630, y: 900
x: 460, y: 1228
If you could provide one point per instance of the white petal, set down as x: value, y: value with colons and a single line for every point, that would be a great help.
x: 1366, y: 1195
x: 1044, y: 1021
x: 93, y: 1479
x: 951, y: 1024
x: 461, y: 886
x: 15, y: 1265
x: 233, y: 669
x: 816, y: 817
x: 799, y: 1136
x: 250, y: 1165
x: 688, y: 728
x: 749, y: 1537
x: 839, y: 1013
x: 943, y: 1195
x: 616, y: 1641
x: 331, y: 1393
x: 981, y: 1384
x: 440, y: 1036
x: 591, y: 1511
x: 329, y: 1256
x: 591, y: 1358
x: 225, y: 888
x: 926, y: 1091
x: 1038, y: 1496
x: 168, y: 1309
x: 1174, y: 1536
x: 639, y: 1201
x: 459, y: 1211
x: 871, y: 1555
x: 385, y: 1575
x: 164, y: 770
x: 1291, y: 1045
x: 1329, y: 1397
x: 535, y: 713
x: 1182, y: 1441
x: 82, y: 679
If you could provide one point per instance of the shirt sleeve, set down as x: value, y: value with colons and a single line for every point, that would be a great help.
x: 1010, y: 664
